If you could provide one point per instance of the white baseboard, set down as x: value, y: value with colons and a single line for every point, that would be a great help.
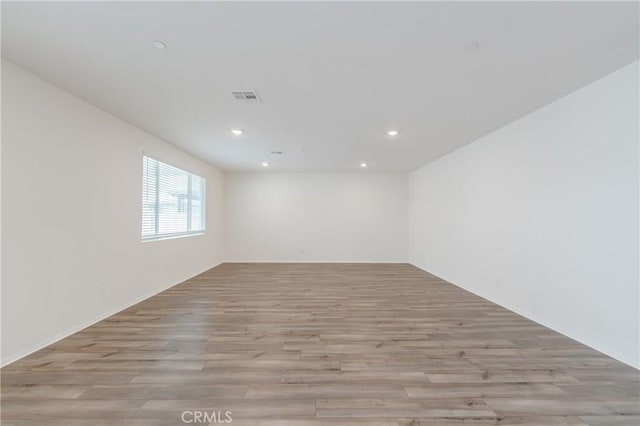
x: 43, y: 344
x: 574, y: 336
x: 397, y: 262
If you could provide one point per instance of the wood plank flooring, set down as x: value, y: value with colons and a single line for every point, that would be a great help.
x: 319, y: 344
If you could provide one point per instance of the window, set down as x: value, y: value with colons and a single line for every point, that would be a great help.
x: 172, y: 201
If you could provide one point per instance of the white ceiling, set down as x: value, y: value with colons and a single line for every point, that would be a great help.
x: 333, y: 76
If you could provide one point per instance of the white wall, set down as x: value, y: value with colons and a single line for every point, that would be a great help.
x: 71, y: 218
x: 304, y: 217
x: 541, y: 216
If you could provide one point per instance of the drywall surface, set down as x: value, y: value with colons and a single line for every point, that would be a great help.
x: 541, y: 216
x: 316, y: 217
x: 71, y: 215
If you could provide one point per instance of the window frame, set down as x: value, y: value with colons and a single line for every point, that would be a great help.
x: 203, y: 202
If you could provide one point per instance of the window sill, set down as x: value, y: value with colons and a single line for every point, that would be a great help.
x: 171, y: 236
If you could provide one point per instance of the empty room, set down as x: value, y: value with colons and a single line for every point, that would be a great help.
x: 320, y: 213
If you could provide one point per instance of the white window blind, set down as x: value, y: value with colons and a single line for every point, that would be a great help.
x: 172, y: 201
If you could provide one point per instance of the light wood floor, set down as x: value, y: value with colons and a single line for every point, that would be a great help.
x: 319, y: 344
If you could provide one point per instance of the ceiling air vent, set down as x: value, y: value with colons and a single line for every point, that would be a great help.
x: 245, y: 95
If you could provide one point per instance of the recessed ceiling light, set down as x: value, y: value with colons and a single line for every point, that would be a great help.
x: 265, y: 164
x: 363, y: 164
x: 472, y: 46
x: 392, y: 132
x: 236, y: 132
x: 159, y: 44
